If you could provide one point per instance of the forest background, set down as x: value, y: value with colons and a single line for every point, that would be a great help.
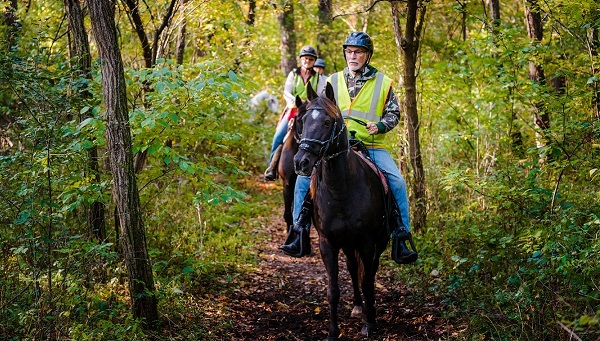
x: 500, y: 148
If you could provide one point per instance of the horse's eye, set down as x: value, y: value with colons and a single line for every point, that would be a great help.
x: 327, y: 123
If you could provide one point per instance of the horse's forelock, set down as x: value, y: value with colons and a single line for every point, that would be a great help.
x: 330, y: 108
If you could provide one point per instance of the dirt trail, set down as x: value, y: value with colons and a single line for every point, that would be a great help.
x: 287, y: 300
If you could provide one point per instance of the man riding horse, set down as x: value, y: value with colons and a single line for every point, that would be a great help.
x: 363, y: 92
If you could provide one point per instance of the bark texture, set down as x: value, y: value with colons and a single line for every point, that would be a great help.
x: 410, y: 44
x: 79, y: 49
x: 535, y: 31
x: 118, y: 140
x: 287, y: 42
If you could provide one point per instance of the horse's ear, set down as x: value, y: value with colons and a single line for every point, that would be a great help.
x: 310, y: 92
x: 298, y: 101
x: 329, y: 92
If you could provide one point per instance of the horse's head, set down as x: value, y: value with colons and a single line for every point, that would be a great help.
x: 322, y: 129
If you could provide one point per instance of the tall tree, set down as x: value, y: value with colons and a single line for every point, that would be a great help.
x: 149, y: 49
x: 535, y: 31
x: 593, y: 47
x: 324, y: 23
x: 118, y: 140
x: 287, y: 41
x: 12, y: 22
x: 79, y: 49
x: 409, y: 44
x: 181, y: 35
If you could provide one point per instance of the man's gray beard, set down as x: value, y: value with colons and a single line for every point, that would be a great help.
x: 356, y: 68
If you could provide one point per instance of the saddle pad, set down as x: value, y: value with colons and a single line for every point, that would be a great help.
x: 375, y: 169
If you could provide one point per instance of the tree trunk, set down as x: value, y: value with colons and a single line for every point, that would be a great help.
x: 410, y: 45
x: 535, y: 31
x: 594, y: 45
x: 287, y: 42
x: 181, y: 35
x: 79, y: 50
x: 118, y: 141
x: 495, y: 14
x: 12, y: 23
x: 324, y: 23
x: 251, y: 12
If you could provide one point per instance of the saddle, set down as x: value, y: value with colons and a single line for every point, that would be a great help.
x: 361, y: 150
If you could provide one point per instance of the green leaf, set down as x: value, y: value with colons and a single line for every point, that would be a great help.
x: 232, y: 76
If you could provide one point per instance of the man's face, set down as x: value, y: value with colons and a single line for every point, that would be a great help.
x: 356, y: 57
x: 318, y: 69
x: 307, y: 62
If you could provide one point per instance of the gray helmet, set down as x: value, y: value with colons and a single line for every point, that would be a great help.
x: 320, y: 63
x: 308, y: 51
x: 358, y: 38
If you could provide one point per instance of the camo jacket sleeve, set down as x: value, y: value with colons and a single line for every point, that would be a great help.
x: 391, y: 114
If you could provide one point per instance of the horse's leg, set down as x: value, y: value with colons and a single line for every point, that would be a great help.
x: 371, y: 264
x: 330, y: 259
x: 352, y: 266
x: 288, y: 201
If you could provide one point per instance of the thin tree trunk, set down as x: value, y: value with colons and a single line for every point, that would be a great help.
x: 594, y: 45
x: 324, y: 22
x: 535, y: 32
x: 495, y: 14
x: 118, y: 141
x: 287, y: 42
x: 12, y: 23
x: 251, y: 12
x: 79, y: 49
x: 410, y: 45
x: 181, y: 35
x: 463, y: 19
x: 402, y: 150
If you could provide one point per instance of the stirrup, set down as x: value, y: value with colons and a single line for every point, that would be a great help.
x: 401, y: 254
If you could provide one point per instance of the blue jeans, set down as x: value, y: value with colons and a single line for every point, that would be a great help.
x: 280, y: 132
x: 383, y: 160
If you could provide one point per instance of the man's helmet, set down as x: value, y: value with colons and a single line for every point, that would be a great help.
x: 308, y: 51
x: 320, y: 63
x: 358, y: 38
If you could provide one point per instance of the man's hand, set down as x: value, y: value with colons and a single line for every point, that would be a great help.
x: 372, y: 128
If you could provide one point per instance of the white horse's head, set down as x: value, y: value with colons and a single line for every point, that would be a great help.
x: 266, y: 99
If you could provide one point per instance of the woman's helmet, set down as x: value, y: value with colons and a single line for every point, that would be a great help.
x: 308, y: 51
x: 320, y: 63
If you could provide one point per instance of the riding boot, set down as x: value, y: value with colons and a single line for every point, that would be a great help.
x: 401, y: 253
x: 297, y: 243
x: 271, y: 172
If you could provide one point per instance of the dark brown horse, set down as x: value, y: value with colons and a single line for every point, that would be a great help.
x: 349, y: 205
x: 286, y: 171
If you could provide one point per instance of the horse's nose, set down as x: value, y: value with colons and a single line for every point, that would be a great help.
x: 302, y: 166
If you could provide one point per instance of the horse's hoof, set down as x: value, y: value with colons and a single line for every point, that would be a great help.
x: 369, y: 329
x: 356, y: 312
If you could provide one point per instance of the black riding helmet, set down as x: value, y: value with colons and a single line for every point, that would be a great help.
x: 308, y: 51
x: 320, y: 63
x: 360, y: 39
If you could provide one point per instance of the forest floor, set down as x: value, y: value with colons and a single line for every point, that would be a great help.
x: 285, y: 298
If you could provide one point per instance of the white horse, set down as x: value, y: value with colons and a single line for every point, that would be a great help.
x: 265, y: 99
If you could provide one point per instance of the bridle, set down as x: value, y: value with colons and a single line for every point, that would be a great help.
x: 308, y: 144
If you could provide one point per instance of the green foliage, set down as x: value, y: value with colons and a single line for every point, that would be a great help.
x: 512, y: 248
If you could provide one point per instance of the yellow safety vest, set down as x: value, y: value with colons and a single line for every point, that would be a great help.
x: 367, y: 105
x: 300, y: 88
